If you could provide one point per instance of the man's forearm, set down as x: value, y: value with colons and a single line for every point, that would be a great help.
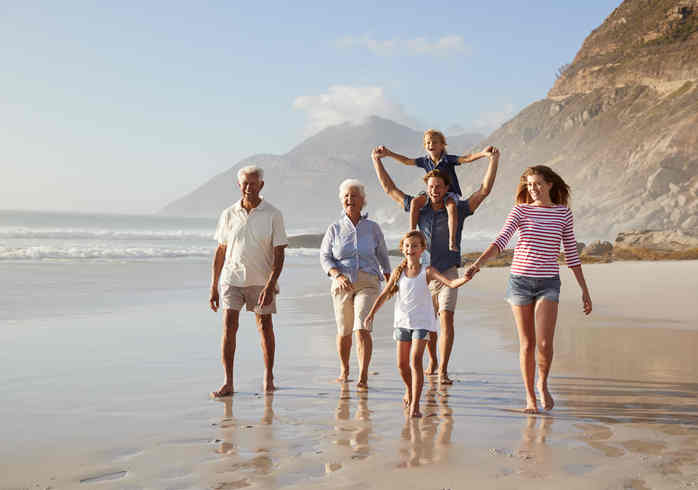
x: 218, y: 261
x: 386, y: 181
x: 490, y: 175
x: 277, y: 266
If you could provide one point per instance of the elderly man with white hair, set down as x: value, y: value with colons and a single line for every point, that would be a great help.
x: 247, y: 264
x: 354, y: 255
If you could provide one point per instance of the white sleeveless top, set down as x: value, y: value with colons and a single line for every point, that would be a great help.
x: 413, y: 307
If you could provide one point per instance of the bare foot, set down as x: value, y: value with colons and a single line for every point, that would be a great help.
x: 432, y: 369
x: 548, y: 402
x: 415, y: 413
x: 343, y: 378
x: 531, y: 406
x: 406, y: 400
x: 269, y: 385
x: 530, y: 410
x: 362, y: 385
x: 225, y: 390
x: 453, y: 247
x: 445, y: 380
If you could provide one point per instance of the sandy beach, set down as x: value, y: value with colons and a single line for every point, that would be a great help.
x: 107, y: 387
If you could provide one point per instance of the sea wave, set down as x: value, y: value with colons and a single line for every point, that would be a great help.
x: 102, y: 234
x: 121, y: 253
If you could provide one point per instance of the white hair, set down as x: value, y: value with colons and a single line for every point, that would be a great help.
x: 352, y: 183
x: 250, y: 169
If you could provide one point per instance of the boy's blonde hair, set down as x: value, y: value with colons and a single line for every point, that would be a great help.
x: 434, y: 133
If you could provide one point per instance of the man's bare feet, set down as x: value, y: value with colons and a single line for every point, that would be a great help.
x: 546, y: 397
x: 223, y: 391
x: 444, y: 379
x: 269, y: 385
x: 343, y: 378
x: 432, y: 369
x: 453, y: 246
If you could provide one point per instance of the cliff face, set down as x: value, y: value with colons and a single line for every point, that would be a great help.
x: 620, y: 125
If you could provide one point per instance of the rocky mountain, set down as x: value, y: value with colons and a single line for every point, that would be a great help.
x: 620, y: 124
x: 304, y: 182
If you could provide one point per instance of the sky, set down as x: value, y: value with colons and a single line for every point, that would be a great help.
x: 122, y: 107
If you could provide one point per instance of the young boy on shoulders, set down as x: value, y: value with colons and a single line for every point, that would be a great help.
x: 437, y: 159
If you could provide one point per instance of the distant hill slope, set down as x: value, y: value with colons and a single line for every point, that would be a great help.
x: 620, y: 125
x: 304, y: 182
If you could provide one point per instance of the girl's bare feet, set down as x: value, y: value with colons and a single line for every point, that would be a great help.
x: 225, y: 390
x: 546, y: 397
x: 531, y: 406
x: 343, y: 378
x: 432, y: 369
x: 444, y: 379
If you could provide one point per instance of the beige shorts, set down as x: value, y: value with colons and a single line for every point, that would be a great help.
x: 446, y: 297
x: 352, y: 307
x: 234, y: 297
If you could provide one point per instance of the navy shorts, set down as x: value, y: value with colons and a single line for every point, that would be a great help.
x: 408, y: 334
x: 524, y: 290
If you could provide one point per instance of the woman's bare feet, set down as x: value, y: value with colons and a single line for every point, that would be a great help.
x: 406, y: 400
x: 444, y: 379
x: 432, y: 369
x: 343, y: 378
x: 546, y: 397
x: 531, y: 406
x: 223, y: 391
x: 362, y: 385
x: 414, y: 412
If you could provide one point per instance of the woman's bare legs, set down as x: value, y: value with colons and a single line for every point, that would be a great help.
x: 546, y: 319
x: 364, y: 348
x: 344, y: 350
x: 525, y: 326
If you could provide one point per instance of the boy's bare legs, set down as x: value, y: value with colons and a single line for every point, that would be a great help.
x: 416, y: 205
x: 525, y: 326
x: 416, y: 355
x: 364, y: 348
x: 268, y: 343
x: 403, y: 364
x: 228, y: 344
x: 546, y: 318
x: 452, y: 212
x: 344, y: 350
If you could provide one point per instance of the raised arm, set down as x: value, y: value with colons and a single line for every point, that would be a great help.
x: 475, y: 156
x: 385, y: 180
x: 400, y: 158
x: 479, y: 195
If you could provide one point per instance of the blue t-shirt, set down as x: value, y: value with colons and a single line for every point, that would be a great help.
x: 446, y: 164
x: 434, y: 225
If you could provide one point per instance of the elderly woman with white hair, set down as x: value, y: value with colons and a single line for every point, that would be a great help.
x: 354, y: 255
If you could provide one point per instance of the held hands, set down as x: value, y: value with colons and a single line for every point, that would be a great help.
x: 380, y: 152
x: 491, y: 151
x: 471, y: 271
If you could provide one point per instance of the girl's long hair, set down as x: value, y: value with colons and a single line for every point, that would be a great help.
x: 397, y: 272
x: 559, y: 192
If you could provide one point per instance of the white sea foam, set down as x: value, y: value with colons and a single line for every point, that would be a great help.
x: 101, y: 234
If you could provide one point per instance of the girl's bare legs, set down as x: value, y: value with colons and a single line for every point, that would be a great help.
x: 416, y: 205
x: 452, y: 224
x: 403, y: 364
x: 525, y: 326
x: 546, y: 319
x: 416, y: 355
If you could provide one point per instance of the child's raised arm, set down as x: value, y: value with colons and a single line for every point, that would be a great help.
x: 400, y: 158
x: 432, y: 274
x: 376, y: 305
x: 475, y: 156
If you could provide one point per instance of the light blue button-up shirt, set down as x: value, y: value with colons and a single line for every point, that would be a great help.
x: 350, y: 248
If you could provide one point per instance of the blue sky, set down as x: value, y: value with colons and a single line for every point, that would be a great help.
x: 124, y: 107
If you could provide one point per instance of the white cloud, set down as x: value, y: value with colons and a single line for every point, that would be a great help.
x: 442, y: 46
x: 345, y: 103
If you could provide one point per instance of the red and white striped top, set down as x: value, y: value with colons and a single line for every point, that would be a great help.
x: 540, y: 231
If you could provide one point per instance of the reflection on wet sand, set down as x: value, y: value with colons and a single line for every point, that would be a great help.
x: 351, y: 433
x: 428, y: 437
x: 534, y: 453
x: 254, y: 460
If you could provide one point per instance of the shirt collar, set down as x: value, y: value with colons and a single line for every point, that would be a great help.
x: 237, y: 207
x: 361, y: 217
x: 443, y: 158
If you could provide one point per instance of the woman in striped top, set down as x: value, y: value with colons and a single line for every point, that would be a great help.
x: 543, y: 221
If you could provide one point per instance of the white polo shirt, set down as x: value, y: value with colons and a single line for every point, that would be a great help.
x: 250, y: 239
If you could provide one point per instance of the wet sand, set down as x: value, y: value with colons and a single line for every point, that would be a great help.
x: 625, y: 381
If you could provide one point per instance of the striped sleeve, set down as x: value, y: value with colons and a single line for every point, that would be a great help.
x: 510, y: 226
x: 569, y: 242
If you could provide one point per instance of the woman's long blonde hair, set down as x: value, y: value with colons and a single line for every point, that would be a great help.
x: 559, y: 192
x: 397, y: 272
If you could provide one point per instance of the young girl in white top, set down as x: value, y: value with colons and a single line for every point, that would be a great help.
x: 543, y: 220
x: 414, y: 314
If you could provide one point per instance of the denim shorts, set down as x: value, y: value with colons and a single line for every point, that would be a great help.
x: 408, y: 335
x: 523, y: 290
